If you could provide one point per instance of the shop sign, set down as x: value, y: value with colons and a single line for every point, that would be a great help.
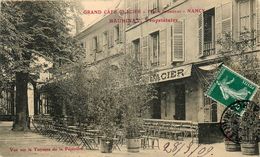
x: 170, y: 74
x: 230, y: 87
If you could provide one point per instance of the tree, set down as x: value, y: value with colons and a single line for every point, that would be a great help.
x: 69, y: 93
x: 29, y: 30
x: 239, y: 55
x: 120, y: 96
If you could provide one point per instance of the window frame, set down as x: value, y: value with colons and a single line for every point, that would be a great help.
x: 155, y: 56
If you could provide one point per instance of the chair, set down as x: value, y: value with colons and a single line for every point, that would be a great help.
x: 116, y: 143
x: 87, y: 141
x: 194, y: 132
x: 151, y: 139
x: 175, y: 131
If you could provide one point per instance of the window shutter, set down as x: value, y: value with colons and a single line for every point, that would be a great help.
x: 121, y: 33
x: 112, y: 37
x: 150, y: 51
x: 258, y: 20
x: 100, y: 42
x: 178, y: 41
x: 163, y: 47
x: 150, y: 6
x: 201, y: 35
x: 90, y: 46
x: 128, y: 50
x: 218, y: 26
x: 144, y: 53
x: 94, y: 44
x: 144, y: 8
x: 131, y: 50
x: 108, y: 39
x: 227, y: 18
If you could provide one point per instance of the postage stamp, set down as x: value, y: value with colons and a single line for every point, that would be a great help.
x: 230, y: 86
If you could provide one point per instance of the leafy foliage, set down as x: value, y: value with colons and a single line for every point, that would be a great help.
x: 239, y: 56
x: 31, y: 30
x: 121, y: 96
x: 106, y: 95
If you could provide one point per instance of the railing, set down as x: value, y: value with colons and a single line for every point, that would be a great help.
x: 208, y: 48
x: 172, y: 129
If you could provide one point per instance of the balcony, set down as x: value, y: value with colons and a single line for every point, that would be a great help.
x: 208, y: 49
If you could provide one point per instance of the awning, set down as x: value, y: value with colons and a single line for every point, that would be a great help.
x: 210, y: 67
x: 170, y: 74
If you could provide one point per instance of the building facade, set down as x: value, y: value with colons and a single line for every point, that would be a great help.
x: 176, y: 42
x: 103, y: 39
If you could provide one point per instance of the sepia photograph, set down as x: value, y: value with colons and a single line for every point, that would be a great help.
x: 129, y: 78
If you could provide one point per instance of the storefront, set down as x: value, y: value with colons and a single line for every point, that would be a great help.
x: 181, y: 95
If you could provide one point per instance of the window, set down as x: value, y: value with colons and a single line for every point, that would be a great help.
x: 129, y: 6
x: 136, y: 12
x: 247, y: 17
x: 153, y: 6
x: 117, y: 33
x: 210, y: 110
x: 105, y: 38
x: 177, y: 41
x: 95, y: 43
x: 136, y: 49
x: 207, y: 33
x: 45, y: 104
x: 154, y: 49
x: 111, y: 38
x: 144, y: 54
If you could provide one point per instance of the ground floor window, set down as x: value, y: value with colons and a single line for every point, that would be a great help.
x: 180, y: 109
x: 210, y: 110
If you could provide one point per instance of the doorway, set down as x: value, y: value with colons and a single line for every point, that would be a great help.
x: 180, y: 110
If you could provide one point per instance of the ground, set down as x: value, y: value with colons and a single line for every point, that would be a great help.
x: 30, y: 144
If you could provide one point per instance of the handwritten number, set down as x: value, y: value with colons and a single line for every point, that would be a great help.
x: 194, y: 150
x: 209, y: 150
x: 179, y: 149
x: 166, y: 146
x: 202, y: 150
x: 189, y: 146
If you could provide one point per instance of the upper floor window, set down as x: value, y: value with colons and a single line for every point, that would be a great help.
x: 136, y: 49
x: 178, y: 41
x: 155, y: 52
x: 117, y: 33
x: 153, y: 6
x: 212, y: 24
x: 95, y: 43
x: 136, y: 8
x: 247, y: 17
x: 111, y: 38
x: 105, y: 38
x: 207, y: 32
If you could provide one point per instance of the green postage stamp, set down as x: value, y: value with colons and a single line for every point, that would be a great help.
x: 230, y: 86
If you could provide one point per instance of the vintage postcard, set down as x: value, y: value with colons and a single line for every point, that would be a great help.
x: 137, y: 78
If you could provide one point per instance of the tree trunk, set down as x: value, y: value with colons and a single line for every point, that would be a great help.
x: 12, y: 101
x: 22, y: 113
x: 36, y: 99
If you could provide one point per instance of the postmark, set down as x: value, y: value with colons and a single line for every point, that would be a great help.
x: 239, y: 116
